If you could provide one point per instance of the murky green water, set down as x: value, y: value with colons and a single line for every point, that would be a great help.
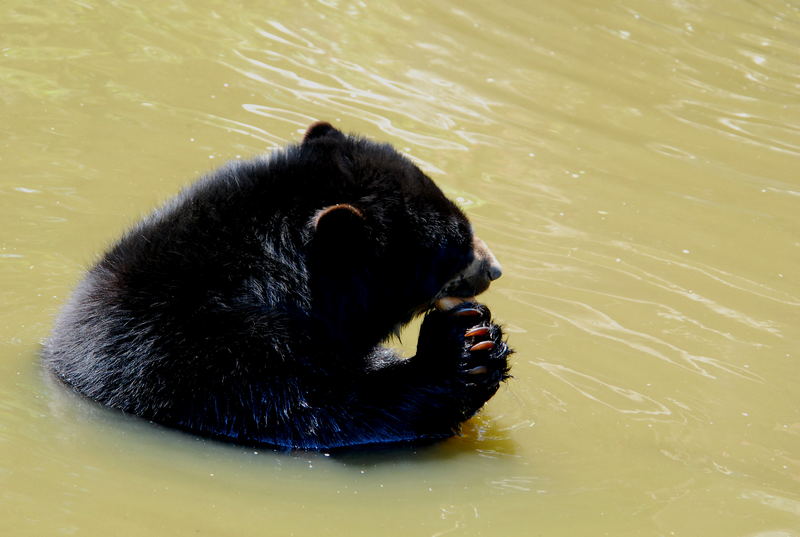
x: 633, y: 164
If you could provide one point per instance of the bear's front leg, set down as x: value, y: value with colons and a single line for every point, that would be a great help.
x: 461, y: 360
x: 467, y: 349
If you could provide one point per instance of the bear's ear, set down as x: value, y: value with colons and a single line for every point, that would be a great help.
x: 321, y: 129
x: 340, y: 221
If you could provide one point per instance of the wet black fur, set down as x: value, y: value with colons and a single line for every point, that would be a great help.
x: 228, y: 313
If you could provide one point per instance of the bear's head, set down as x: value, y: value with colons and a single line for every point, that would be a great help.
x: 385, y: 243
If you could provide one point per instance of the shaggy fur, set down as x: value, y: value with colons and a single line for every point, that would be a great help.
x: 252, y: 306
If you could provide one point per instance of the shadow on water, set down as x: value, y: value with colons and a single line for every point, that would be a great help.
x: 479, y: 436
x: 486, y: 439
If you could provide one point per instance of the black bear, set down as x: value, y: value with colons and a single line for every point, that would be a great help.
x: 252, y: 306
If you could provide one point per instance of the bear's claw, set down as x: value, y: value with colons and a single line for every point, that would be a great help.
x: 475, y: 344
x: 484, y: 353
x: 482, y: 346
x: 478, y: 370
x: 477, y: 331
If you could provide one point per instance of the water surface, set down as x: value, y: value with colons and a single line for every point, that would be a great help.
x: 633, y: 164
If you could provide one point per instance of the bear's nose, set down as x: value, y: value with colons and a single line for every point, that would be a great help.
x: 494, y: 271
x: 490, y: 263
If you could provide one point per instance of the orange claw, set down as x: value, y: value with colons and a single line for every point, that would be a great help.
x: 468, y: 312
x: 479, y: 331
x: 482, y: 346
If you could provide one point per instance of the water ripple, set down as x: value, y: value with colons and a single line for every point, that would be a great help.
x: 596, y: 323
x: 623, y: 400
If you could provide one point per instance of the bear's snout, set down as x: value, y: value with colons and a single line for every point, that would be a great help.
x: 489, y: 265
x: 476, y: 277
